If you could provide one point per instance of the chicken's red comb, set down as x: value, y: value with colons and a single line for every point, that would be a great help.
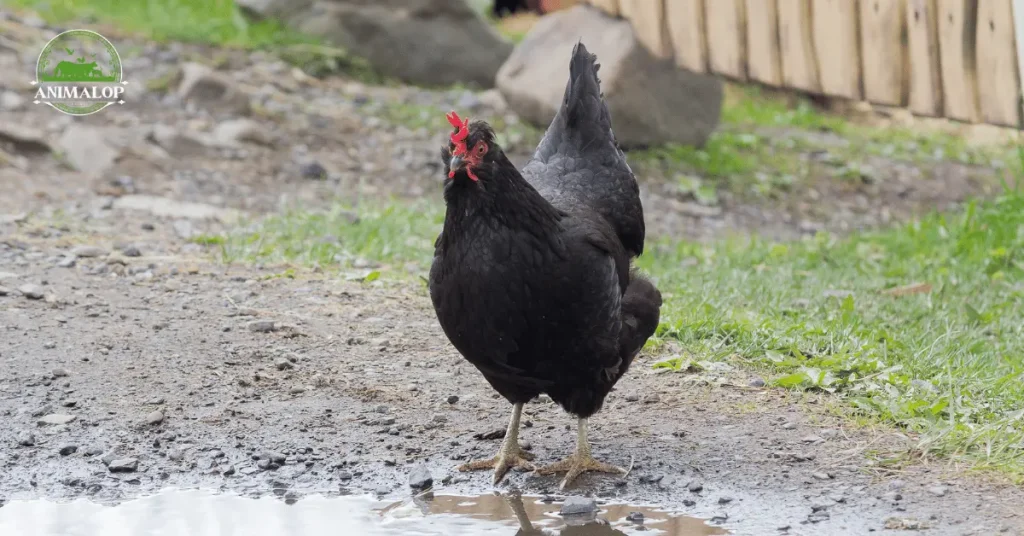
x: 458, y: 137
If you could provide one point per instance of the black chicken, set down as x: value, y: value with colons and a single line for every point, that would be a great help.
x: 531, y: 279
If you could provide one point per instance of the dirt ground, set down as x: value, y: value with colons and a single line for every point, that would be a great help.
x: 132, y: 361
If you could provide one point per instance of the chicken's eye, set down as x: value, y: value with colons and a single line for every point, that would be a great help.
x: 481, y: 148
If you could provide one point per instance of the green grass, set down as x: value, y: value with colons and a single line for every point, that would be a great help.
x: 206, y: 21
x: 762, y: 144
x: 342, y: 238
x: 947, y: 363
x: 217, y: 22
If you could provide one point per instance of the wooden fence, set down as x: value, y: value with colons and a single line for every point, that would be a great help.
x: 951, y: 58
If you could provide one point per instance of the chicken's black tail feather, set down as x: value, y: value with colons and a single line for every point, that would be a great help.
x: 583, y: 112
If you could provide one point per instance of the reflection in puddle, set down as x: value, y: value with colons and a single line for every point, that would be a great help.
x: 200, y: 513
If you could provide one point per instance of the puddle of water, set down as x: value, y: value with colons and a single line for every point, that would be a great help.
x: 201, y: 513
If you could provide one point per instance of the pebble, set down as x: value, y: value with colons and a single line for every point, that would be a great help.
x: 124, y: 465
x: 32, y: 292
x: 938, y: 491
x: 155, y: 417
x: 26, y: 439
x: 57, y: 418
x: 420, y: 478
x: 282, y: 363
x: 68, y: 450
x: 822, y: 476
x: 60, y: 373
x: 261, y: 326
x: 632, y: 398
x: 725, y: 499
x: 131, y: 251
x: 578, y: 506
x: 695, y: 487
x: 757, y: 382
x: 313, y: 170
x: 635, y: 517
x: 452, y: 399
x: 88, y: 252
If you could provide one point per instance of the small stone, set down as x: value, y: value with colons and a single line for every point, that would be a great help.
x: 695, y: 487
x: 452, y: 399
x: 88, y: 252
x: 124, y: 465
x: 175, y: 454
x: 261, y: 326
x: 725, y: 499
x: 184, y: 229
x: 652, y: 398
x: 233, y: 131
x: 229, y: 471
x: 10, y: 101
x: 822, y: 476
x: 297, y: 390
x: 155, y: 417
x: 131, y: 251
x: 635, y: 517
x: 818, y: 506
x: 57, y: 419
x: 578, y: 506
x: 32, y: 292
x: 632, y: 398
x: 420, y: 478
x: 68, y: 261
x: 313, y: 170
x: 209, y: 89
x: 26, y: 439
x: 59, y: 373
x: 938, y: 491
x: 788, y: 426
x: 689, y: 503
x: 813, y: 439
x: 282, y: 363
x: 68, y: 450
x: 757, y: 382
x: 274, y: 457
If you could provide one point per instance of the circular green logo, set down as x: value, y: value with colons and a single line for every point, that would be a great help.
x: 79, y: 73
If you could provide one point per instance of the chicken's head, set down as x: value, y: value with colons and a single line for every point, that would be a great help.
x: 468, y: 148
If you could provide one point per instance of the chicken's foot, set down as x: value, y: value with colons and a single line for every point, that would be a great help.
x: 510, y: 455
x: 580, y: 462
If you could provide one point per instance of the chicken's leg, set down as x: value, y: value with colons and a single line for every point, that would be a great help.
x: 510, y: 455
x: 580, y: 462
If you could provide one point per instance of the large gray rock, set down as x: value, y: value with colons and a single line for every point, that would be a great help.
x: 432, y: 42
x: 651, y: 100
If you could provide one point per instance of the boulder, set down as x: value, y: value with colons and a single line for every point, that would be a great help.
x: 651, y: 100
x: 431, y: 42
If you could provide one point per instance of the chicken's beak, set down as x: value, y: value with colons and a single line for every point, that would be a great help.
x: 456, y: 163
